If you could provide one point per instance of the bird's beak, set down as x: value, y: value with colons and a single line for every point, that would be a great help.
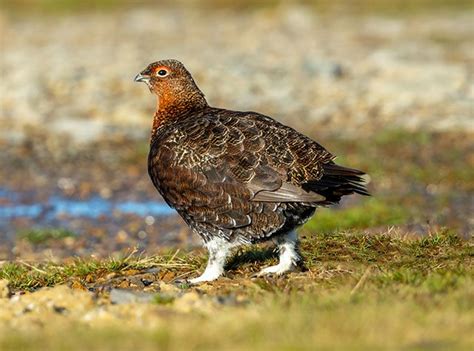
x: 142, y: 78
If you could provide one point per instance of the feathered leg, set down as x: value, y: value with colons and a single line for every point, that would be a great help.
x: 289, y: 256
x: 219, y: 250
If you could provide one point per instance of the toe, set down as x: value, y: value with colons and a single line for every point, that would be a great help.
x: 267, y: 271
x: 195, y: 281
x: 275, y: 270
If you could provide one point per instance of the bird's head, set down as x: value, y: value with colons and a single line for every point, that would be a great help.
x: 173, y: 85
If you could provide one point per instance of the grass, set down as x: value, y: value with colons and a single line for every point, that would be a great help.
x: 359, y: 292
x: 41, y: 236
x: 394, y: 259
x: 323, y: 321
x: 363, y: 7
x: 361, y: 288
x: 25, y: 276
x: 370, y: 213
x: 410, y: 158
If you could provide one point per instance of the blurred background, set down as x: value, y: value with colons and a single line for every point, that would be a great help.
x: 388, y: 85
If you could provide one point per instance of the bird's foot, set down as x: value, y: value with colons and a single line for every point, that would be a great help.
x: 211, y: 273
x: 199, y: 280
x: 278, y: 269
x: 218, y: 251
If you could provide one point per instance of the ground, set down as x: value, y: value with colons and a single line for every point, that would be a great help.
x: 376, y: 290
x: 386, y: 86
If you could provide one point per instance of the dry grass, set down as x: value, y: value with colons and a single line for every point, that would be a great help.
x: 358, y: 292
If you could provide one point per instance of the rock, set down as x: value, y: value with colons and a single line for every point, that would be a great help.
x: 47, y: 306
x: 331, y: 70
x: 4, y: 289
x: 192, y: 301
x: 169, y: 288
x: 121, y: 296
x: 60, y: 297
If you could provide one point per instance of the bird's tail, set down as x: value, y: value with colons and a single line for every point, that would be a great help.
x: 338, y: 181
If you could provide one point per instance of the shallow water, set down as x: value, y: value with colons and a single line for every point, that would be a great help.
x: 15, y: 205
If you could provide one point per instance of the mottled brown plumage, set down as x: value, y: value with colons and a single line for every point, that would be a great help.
x: 236, y: 177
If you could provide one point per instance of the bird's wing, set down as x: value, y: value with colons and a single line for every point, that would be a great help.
x: 248, y: 156
x: 241, y: 173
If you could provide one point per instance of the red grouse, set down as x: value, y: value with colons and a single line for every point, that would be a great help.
x: 236, y: 177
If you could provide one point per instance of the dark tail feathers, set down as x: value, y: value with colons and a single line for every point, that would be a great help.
x: 338, y: 181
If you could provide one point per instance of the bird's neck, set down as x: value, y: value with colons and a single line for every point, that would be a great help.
x: 169, y: 109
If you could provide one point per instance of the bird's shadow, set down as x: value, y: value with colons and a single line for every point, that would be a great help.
x: 251, y: 256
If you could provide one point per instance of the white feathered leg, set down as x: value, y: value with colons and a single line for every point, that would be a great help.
x: 219, y: 250
x: 289, y: 256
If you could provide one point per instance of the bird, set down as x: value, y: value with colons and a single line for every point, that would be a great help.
x: 236, y: 177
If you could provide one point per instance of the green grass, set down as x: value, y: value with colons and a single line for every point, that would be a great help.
x: 41, y: 236
x: 363, y: 7
x: 162, y: 299
x: 61, y: 6
x: 396, y: 260
x: 360, y: 292
x: 409, y: 158
x: 302, y: 321
x: 362, y: 288
x: 370, y: 213
x: 25, y: 276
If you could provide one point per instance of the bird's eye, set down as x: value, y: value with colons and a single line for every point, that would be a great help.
x: 162, y: 73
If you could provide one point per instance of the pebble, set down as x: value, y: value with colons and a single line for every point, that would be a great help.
x: 121, y: 296
x: 169, y: 288
x: 60, y: 305
x: 4, y: 289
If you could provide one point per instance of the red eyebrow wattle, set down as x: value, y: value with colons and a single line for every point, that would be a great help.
x: 156, y: 69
